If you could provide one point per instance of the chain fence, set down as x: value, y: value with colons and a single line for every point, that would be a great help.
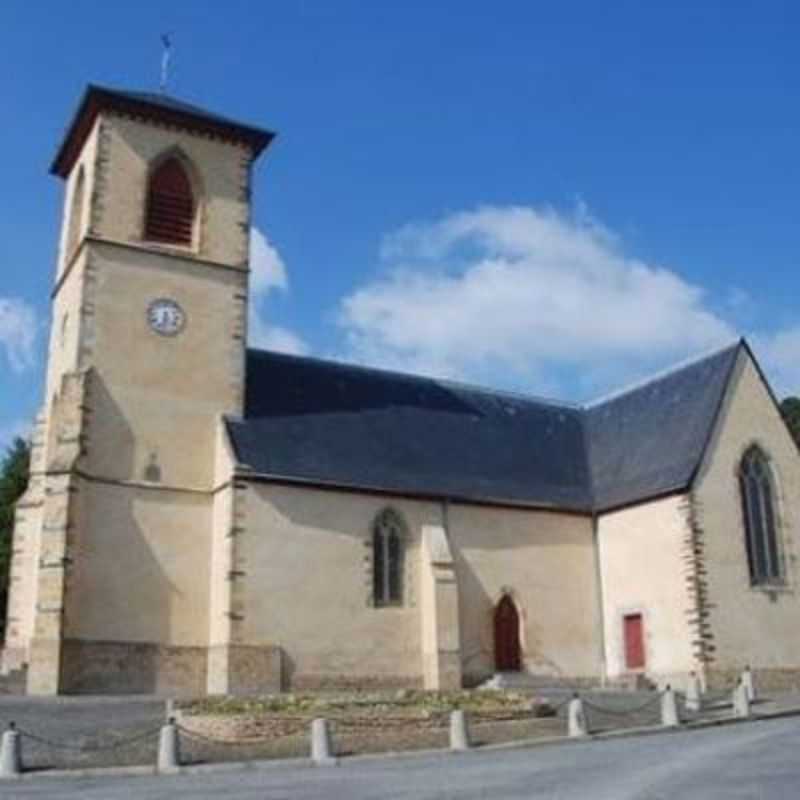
x: 117, y: 744
x: 603, y: 711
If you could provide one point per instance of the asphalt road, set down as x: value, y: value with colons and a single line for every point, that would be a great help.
x: 757, y: 761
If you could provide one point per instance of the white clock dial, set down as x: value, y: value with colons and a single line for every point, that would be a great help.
x: 166, y: 317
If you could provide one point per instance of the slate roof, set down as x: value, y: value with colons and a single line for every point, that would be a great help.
x: 347, y: 425
x: 328, y: 423
x: 650, y: 440
x: 156, y: 106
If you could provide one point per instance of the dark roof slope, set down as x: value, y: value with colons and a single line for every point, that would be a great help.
x: 155, y: 106
x: 349, y: 426
x: 649, y: 441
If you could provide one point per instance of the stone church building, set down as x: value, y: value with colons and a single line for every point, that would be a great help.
x: 206, y: 518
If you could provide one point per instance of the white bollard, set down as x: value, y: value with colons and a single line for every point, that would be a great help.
x: 748, y: 683
x: 10, y: 756
x: 169, y: 751
x: 669, y: 709
x: 321, y: 747
x: 741, y: 702
x: 459, y: 734
x: 693, y: 701
x: 576, y: 718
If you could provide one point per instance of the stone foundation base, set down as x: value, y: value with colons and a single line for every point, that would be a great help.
x: 92, y: 667
x: 244, y: 669
x: 12, y: 658
x: 45, y: 666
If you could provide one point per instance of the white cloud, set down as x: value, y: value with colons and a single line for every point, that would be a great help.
x: 274, y: 337
x: 18, y: 325
x: 267, y: 270
x: 520, y: 292
x: 268, y: 274
x: 779, y: 353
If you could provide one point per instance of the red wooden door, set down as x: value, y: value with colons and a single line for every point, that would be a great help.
x: 506, y: 636
x: 634, y: 641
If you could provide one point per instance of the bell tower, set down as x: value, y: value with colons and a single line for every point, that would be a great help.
x: 147, y: 350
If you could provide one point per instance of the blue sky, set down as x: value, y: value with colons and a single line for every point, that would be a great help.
x: 551, y: 197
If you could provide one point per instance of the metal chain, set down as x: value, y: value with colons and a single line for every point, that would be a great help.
x: 716, y: 696
x: 562, y: 704
x: 88, y: 748
x: 623, y: 712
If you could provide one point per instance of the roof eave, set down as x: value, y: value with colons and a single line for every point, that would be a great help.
x: 246, y: 472
x: 97, y: 98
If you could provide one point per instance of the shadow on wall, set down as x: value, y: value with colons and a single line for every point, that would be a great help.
x: 476, y: 617
x: 120, y: 602
x: 478, y: 600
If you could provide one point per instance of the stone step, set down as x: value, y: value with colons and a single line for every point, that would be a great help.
x: 13, y: 682
x: 519, y: 681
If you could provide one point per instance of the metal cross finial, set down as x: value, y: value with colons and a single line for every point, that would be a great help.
x: 167, y: 42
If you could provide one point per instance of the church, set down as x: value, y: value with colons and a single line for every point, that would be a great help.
x: 204, y: 518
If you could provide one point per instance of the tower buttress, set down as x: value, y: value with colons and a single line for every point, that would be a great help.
x: 147, y: 350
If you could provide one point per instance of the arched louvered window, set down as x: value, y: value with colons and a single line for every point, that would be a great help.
x: 170, y: 204
x: 758, y: 507
x: 388, y: 546
x: 75, y: 214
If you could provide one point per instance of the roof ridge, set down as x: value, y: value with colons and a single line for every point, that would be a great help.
x: 660, y: 375
x: 414, y: 376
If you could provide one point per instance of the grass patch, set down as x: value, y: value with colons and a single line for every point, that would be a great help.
x: 411, y: 702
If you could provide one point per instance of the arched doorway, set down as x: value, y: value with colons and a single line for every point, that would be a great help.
x: 506, y: 636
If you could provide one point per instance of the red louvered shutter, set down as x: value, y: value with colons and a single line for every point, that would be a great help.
x: 170, y: 205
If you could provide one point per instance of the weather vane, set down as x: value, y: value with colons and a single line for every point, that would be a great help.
x: 167, y: 42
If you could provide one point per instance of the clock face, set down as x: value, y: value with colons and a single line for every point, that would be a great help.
x: 166, y: 317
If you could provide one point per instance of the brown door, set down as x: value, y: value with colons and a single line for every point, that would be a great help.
x: 634, y: 641
x: 506, y: 636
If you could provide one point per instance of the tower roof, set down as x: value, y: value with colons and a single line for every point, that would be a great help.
x: 156, y: 107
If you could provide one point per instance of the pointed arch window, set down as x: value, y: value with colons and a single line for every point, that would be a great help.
x: 758, y: 506
x: 388, y: 552
x: 170, y: 204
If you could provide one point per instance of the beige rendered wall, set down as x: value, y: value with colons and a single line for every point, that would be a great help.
x: 748, y: 624
x: 65, y: 326
x: 156, y: 398
x: 140, y: 566
x: 88, y: 163
x: 643, y: 552
x: 307, y: 587
x: 546, y: 561
x: 220, y: 173
x: 306, y: 555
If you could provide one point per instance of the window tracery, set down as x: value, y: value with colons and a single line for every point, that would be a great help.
x: 388, y: 554
x: 758, y: 507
